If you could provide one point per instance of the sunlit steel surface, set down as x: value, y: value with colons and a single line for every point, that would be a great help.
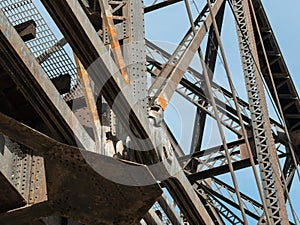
x: 73, y: 130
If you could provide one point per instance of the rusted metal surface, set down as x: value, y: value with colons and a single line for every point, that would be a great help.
x: 10, y: 198
x: 89, y: 48
x: 27, y: 30
x: 43, y: 177
x: 59, y: 63
x: 91, y: 106
x: 25, y: 215
x: 93, y: 200
x: 82, y: 32
x: 134, y: 54
x: 114, y: 42
x: 25, y: 171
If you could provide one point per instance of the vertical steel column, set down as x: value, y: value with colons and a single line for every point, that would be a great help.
x: 134, y: 56
x: 123, y: 27
x: 134, y: 52
x: 264, y: 142
x: 112, y: 33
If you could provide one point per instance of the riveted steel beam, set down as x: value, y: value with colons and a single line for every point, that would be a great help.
x: 25, y: 215
x: 87, y: 45
x: 70, y: 193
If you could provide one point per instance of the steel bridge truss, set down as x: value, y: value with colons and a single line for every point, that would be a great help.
x: 84, y: 141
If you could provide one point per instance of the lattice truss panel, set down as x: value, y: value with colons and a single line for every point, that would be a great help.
x: 45, y: 47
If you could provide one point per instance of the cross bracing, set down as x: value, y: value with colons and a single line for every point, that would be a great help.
x: 83, y: 134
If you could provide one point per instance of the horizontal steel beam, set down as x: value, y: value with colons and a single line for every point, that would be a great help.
x: 25, y: 215
x: 212, y: 150
x: 222, y: 169
x: 154, y: 53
